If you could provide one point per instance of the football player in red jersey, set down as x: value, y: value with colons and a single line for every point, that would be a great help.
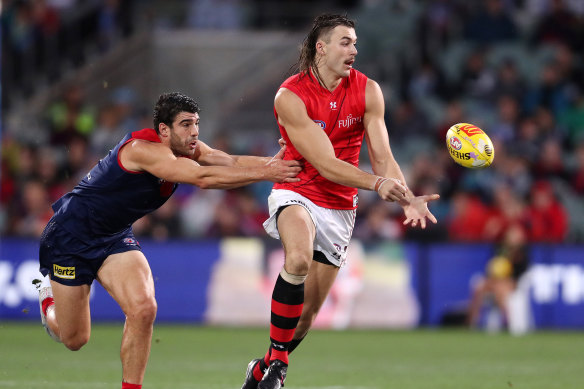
x: 90, y: 235
x: 323, y: 112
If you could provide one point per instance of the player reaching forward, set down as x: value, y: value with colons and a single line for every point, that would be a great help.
x: 90, y: 235
x: 323, y: 113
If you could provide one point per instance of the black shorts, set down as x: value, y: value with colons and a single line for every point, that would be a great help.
x: 72, y: 261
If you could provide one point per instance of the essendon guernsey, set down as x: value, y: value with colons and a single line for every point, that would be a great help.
x: 340, y: 115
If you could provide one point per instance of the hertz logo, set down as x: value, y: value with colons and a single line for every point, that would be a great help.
x: 64, y: 272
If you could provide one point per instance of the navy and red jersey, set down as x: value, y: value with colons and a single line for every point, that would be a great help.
x: 340, y: 114
x: 109, y: 199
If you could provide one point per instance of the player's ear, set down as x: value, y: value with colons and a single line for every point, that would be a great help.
x: 320, y: 47
x: 163, y: 129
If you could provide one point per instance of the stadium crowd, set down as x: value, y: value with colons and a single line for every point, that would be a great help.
x: 514, y: 68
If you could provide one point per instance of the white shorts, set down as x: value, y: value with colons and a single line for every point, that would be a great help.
x: 334, y: 227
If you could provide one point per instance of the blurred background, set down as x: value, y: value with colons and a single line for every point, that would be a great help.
x: 79, y: 74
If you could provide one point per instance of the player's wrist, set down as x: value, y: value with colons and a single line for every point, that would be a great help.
x: 378, y: 183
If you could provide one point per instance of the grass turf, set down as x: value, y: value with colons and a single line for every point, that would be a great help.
x: 215, y: 358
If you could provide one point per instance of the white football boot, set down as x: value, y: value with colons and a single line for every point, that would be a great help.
x: 45, y: 291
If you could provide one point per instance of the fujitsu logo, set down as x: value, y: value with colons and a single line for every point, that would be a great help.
x: 350, y: 120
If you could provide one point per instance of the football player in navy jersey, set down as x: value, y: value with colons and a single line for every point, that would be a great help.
x: 90, y: 235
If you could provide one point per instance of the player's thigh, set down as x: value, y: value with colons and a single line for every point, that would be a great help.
x: 297, y: 230
x: 72, y: 309
x: 128, y: 279
x: 317, y: 286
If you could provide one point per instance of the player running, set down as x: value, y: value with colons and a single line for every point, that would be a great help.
x: 323, y: 113
x: 90, y: 235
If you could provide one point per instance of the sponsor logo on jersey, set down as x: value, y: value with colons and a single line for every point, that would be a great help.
x: 130, y: 241
x: 320, y: 123
x: 333, y: 105
x: 349, y: 121
x: 64, y: 272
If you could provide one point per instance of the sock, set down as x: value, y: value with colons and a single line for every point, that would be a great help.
x: 287, y: 302
x: 46, y: 304
x: 258, y: 370
x: 127, y: 385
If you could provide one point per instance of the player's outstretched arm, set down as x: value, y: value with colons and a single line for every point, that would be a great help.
x: 208, y: 156
x: 159, y: 161
x: 384, y: 163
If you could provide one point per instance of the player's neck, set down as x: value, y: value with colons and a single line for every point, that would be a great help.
x: 327, y: 79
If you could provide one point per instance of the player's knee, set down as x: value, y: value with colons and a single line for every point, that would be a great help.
x: 75, y: 341
x: 144, y: 312
x: 298, y: 263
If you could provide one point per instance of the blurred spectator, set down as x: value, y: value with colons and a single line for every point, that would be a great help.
x: 47, y: 23
x: 558, y: 25
x: 378, y: 223
x: 70, y: 116
x: 501, y: 275
x: 437, y: 25
x: 49, y: 172
x: 253, y: 214
x: 529, y: 139
x: 35, y: 210
x: 571, y: 120
x: 577, y: 173
x: 550, y: 163
x: 427, y: 82
x: 508, y: 209
x: 477, y: 80
x: 162, y: 224
x: 18, y: 45
x: 509, y: 82
x: 552, y: 92
x: 108, y: 131
x: 505, y: 127
x: 467, y: 217
x: 198, y: 212
x: 409, y: 123
x: 114, y: 20
x: 217, y: 14
x: 490, y: 24
x: 548, y: 220
x: 226, y: 220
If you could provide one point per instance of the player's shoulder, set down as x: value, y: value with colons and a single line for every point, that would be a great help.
x: 356, y: 74
x: 286, y: 97
x: 148, y: 134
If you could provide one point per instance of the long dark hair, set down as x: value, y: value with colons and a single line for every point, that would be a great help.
x: 321, y: 26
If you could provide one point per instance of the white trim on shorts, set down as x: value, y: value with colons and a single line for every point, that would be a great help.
x: 334, y: 227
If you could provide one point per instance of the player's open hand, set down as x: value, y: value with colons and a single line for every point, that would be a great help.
x: 417, y: 210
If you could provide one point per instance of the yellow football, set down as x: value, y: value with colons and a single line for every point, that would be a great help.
x: 469, y: 146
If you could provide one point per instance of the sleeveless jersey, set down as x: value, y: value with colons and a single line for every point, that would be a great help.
x: 109, y: 199
x: 340, y: 115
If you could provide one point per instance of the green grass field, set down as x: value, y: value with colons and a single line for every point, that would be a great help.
x: 215, y: 358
